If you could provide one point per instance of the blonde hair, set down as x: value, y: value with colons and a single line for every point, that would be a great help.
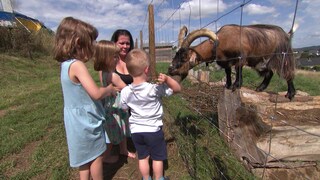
x: 74, y: 40
x: 106, y: 56
x: 136, y: 61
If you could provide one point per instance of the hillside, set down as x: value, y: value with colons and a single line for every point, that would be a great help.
x: 307, y: 48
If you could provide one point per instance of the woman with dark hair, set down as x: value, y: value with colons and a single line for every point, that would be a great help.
x: 123, y: 39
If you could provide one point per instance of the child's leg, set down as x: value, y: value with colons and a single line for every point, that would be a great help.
x: 96, y: 168
x: 84, y: 172
x: 144, y: 167
x: 157, y: 167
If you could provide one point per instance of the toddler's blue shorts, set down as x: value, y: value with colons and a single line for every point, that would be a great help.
x: 150, y: 143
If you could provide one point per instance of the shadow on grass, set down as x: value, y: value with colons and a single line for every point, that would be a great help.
x: 200, y: 162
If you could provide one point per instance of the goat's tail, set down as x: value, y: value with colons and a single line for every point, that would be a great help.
x: 284, y: 61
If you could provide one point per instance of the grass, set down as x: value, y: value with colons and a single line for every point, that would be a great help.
x: 31, y: 125
x: 33, y: 143
x: 205, y: 153
x: 200, y: 145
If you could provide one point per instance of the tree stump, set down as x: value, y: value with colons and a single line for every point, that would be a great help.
x: 276, y: 139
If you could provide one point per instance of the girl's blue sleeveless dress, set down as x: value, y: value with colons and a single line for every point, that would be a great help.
x: 83, y: 120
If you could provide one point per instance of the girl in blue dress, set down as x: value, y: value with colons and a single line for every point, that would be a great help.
x: 83, y: 114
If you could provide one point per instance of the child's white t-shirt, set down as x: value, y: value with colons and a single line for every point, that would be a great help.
x: 144, y: 102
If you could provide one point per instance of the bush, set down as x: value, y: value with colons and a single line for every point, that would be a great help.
x: 316, y: 67
x: 5, y: 39
x: 19, y: 41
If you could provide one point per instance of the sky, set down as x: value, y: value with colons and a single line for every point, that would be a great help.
x: 170, y: 15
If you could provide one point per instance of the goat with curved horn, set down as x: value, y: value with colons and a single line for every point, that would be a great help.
x: 188, y: 57
x: 197, y: 34
x: 265, y: 48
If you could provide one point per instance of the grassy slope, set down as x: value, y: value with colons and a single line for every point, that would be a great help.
x: 31, y: 127
x: 33, y: 143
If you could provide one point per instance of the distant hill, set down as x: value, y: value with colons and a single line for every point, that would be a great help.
x: 307, y: 48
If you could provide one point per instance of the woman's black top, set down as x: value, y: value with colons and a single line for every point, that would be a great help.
x: 126, y: 78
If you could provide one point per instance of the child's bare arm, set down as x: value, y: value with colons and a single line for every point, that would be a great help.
x: 173, y: 84
x: 100, y: 78
x: 79, y: 73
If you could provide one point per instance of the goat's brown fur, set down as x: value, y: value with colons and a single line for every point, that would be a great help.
x: 257, y: 42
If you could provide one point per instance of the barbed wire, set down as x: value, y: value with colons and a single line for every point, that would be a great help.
x: 227, y: 13
x: 213, y: 21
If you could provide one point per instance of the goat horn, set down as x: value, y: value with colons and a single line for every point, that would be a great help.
x: 196, y: 34
x: 183, y: 33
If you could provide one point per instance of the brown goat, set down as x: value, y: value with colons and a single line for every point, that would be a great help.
x: 265, y: 48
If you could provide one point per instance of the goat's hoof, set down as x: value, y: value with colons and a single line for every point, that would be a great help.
x: 259, y: 89
x: 227, y: 86
x: 235, y: 88
x: 289, y: 96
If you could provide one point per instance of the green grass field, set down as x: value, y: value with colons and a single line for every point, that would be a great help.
x: 31, y: 113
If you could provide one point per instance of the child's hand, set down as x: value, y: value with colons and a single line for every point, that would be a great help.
x: 162, y: 78
x: 115, y: 91
x: 112, y: 90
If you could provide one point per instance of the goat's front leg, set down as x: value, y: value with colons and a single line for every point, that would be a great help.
x: 291, y: 90
x: 265, y: 83
x: 238, y: 82
x: 227, y: 70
